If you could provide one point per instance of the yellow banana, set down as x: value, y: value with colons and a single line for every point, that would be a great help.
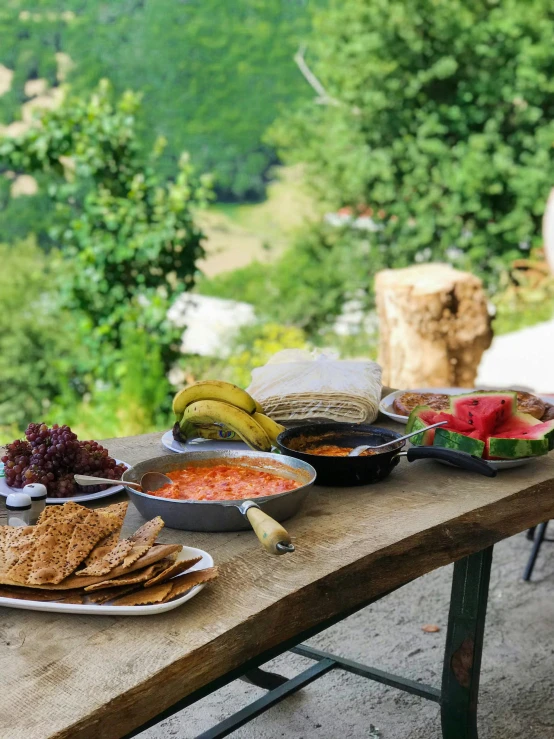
x: 259, y: 408
x: 271, y: 428
x: 237, y: 420
x: 217, y: 432
x: 213, y: 390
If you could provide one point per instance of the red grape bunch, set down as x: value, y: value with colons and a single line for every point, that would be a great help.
x: 52, y: 456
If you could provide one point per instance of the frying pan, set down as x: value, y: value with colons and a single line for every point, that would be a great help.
x: 260, y: 513
x: 364, y: 470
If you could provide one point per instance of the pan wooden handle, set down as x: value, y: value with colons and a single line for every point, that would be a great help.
x: 273, y: 537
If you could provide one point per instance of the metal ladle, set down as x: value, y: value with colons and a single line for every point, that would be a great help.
x: 149, y: 482
x: 272, y: 536
x: 359, y: 449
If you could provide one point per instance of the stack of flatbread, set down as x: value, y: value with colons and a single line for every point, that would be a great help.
x: 76, y: 555
x: 297, y: 386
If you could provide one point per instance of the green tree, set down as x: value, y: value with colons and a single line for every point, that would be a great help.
x: 214, y: 73
x: 437, y: 114
x: 38, y: 361
x: 128, y: 234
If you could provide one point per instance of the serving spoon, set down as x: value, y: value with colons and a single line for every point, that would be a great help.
x: 272, y: 536
x: 359, y: 449
x: 149, y: 482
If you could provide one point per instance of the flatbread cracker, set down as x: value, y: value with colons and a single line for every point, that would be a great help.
x: 175, y: 569
x: 118, y: 511
x: 125, y: 551
x: 154, y: 554
x: 36, y: 594
x: 16, y: 541
x: 103, y: 596
x: 76, y: 599
x: 140, y: 576
x: 58, y: 512
x: 111, y: 559
x: 145, y: 596
x: 50, y: 554
x: 148, y: 533
x: 184, y: 583
x: 61, y: 543
x: 136, y: 553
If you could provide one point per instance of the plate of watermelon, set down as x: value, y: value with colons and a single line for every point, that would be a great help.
x: 487, y: 425
x: 399, y: 404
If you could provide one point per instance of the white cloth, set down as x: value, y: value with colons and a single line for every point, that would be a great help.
x: 296, y: 385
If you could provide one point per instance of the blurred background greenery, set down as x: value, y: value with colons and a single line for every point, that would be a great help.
x: 423, y: 127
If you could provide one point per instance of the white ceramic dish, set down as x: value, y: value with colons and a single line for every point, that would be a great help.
x: 5, y: 490
x: 386, y: 407
x: 107, y: 610
x: 198, y: 445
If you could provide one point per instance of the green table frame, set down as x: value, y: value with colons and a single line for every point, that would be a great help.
x: 457, y: 697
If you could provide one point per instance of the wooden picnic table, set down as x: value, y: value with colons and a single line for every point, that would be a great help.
x: 103, y: 676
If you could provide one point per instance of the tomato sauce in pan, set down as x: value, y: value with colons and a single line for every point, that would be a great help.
x: 223, y: 482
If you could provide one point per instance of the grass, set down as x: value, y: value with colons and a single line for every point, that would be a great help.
x: 238, y: 235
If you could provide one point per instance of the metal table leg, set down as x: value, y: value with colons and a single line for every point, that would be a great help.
x: 464, y: 646
x: 462, y: 663
x: 538, y: 534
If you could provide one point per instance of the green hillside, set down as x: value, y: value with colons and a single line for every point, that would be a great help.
x: 214, y: 74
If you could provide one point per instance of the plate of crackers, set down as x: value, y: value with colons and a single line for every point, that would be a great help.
x: 398, y: 405
x: 74, y: 560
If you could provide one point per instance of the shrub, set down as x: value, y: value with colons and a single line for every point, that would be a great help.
x: 439, y: 118
x: 127, y: 232
x: 38, y: 361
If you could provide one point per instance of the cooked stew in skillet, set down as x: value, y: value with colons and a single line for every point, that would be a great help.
x: 332, y: 450
x: 224, y: 482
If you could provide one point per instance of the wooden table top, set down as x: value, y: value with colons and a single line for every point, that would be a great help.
x: 82, y: 676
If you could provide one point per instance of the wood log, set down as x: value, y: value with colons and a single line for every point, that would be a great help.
x: 433, y: 326
x: 548, y: 231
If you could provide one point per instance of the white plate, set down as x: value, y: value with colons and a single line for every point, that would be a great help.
x: 5, y: 490
x: 96, y: 610
x: 386, y: 408
x: 386, y: 403
x: 198, y: 445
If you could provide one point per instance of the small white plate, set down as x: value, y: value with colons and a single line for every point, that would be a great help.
x: 386, y: 407
x: 107, y: 610
x: 5, y: 490
x: 198, y: 445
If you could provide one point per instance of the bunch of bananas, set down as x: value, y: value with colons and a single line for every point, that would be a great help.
x: 215, y: 409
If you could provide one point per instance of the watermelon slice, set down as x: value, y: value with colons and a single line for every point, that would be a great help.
x: 521, y: 436
x: 424, y: 416
x: 484, y: 424
x: 469, y: 443
x: 485, y: 412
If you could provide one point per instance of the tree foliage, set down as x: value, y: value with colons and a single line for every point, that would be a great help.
x: 309, y: 284
x: 38, y: 358
x: 128, y: 233
x: 214, y: 74
x: 441, y: 120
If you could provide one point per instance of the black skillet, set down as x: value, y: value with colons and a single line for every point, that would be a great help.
x: 364, y: 470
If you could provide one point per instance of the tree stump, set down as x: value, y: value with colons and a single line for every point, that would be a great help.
x: 433, y: 326
x: 548, y: 231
